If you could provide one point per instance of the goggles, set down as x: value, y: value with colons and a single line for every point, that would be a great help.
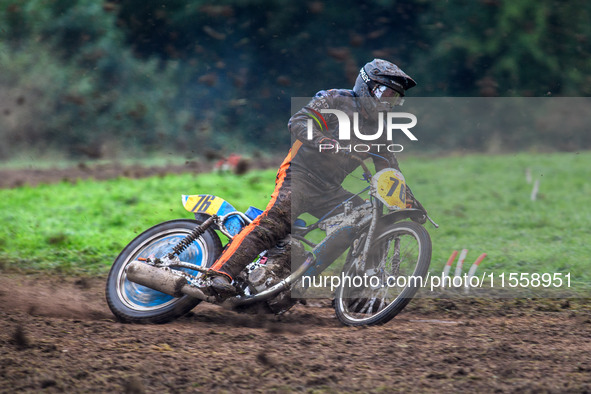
x: 386, y: 95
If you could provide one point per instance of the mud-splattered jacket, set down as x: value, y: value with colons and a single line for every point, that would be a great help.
x: 326, y: 167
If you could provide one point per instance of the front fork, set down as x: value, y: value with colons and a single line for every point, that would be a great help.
x: 376, y: 213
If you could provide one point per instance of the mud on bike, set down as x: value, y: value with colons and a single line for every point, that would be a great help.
x: 162, y: 274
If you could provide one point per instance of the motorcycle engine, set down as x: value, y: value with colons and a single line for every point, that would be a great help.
x: 269, y: 269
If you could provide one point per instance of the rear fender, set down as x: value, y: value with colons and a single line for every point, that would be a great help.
x: 209, y: 205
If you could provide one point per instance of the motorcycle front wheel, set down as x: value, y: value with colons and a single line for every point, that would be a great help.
x: 377, y: 289
x: 134, y: 303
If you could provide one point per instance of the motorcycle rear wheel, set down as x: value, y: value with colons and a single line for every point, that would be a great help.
x: 134, y: 303
x: 374, y: 292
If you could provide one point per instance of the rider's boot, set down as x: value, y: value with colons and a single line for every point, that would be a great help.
x: 221, y: 287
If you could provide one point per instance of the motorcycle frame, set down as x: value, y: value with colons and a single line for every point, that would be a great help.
x: 316, y: 261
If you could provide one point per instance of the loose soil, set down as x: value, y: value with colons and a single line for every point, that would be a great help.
x: 58, y: 335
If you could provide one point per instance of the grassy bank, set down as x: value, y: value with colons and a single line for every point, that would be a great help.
x: 482, y: 203
x: 82, y: 226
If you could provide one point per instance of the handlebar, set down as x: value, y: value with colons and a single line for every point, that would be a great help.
x: 366, y: 171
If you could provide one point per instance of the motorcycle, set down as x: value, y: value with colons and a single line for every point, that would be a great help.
x: 163, y: 273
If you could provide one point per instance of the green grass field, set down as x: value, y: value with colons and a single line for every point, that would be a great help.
x: 482, y: 203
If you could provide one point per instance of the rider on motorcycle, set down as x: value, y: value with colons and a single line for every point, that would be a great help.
x: 310, y: 177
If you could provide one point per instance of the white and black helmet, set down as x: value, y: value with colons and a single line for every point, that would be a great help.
x: 381, y: 85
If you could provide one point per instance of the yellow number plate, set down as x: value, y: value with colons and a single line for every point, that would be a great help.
x: 391, y: 188
x: 205, y: 203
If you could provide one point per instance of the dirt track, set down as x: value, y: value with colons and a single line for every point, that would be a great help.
x: 59, y: 336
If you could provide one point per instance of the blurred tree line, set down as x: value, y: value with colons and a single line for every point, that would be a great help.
x: 102, y: 78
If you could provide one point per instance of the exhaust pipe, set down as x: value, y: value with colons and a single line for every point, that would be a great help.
x: 163, y: 280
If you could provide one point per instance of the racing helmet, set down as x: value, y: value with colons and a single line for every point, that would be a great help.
x: 381, y: 85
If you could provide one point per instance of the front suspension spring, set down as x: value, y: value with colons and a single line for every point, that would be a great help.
x: 196, y: 233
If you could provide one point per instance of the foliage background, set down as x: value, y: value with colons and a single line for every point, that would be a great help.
x: 103, y: 79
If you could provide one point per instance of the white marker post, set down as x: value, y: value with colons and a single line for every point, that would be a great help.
x: 534, y: 192
x: 461, y: 262
x: 476, y: 264
x: 472, y: 270
x: 447, y: 267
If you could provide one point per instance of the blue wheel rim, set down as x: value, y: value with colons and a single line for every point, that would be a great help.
x: 142, y: 298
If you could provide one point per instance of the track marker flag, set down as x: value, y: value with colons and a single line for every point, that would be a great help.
x: 472, y: 271
x: 476, y: 264
x: 460, y: 262
x: 448, y: 265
